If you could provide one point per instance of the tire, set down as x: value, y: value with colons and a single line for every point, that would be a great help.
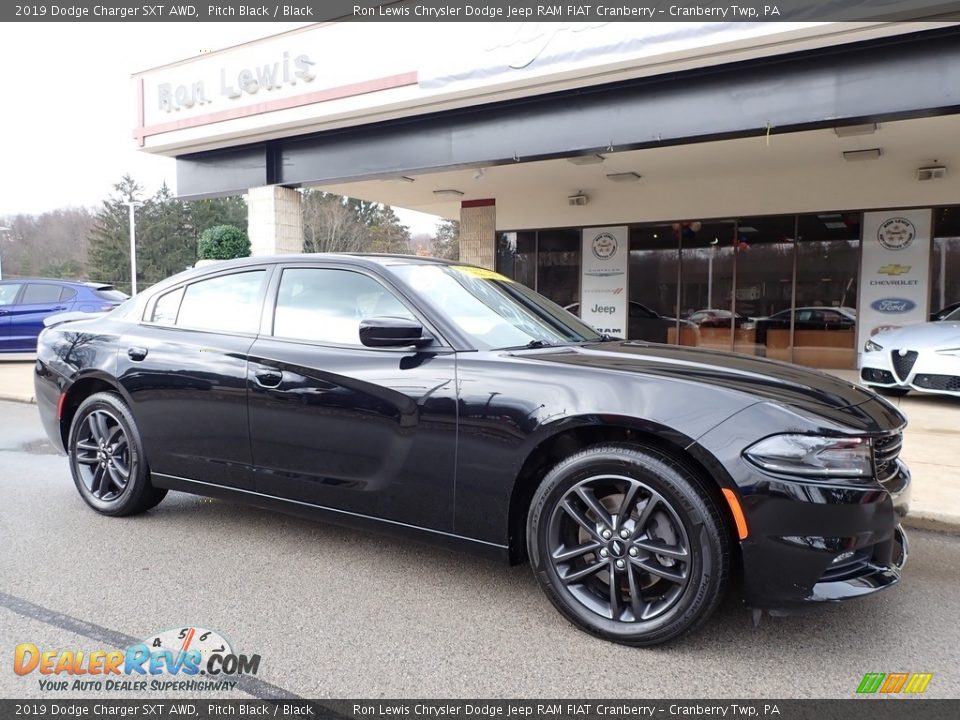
x: 892, y: 392
x: 111, y: 476
x: 666, y: 508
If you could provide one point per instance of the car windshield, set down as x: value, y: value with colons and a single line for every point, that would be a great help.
x: 492, y: 310
x: 954, y: 316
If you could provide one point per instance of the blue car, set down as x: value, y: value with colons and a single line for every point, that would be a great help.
x: 25, y: 302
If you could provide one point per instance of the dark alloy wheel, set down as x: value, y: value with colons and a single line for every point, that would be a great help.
x: 627, y: 544
x: 106, y: 458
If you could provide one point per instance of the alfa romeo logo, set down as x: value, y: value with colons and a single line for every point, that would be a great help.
x: 604, y: 246
x: 896, y: 233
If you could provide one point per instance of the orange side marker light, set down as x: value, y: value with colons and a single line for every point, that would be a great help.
x: 737, y: 511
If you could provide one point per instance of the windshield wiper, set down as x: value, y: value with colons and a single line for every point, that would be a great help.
x: 532, y: 345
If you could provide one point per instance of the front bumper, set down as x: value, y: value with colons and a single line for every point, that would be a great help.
x: 812, y: 543
x: 923, y: 371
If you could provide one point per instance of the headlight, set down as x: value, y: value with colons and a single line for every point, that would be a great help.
x: 871, y: 346
x: 813, y: 456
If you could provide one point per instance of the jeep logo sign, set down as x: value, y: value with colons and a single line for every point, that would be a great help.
x: 893, y: 305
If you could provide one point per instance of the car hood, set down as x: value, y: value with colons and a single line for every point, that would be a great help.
x: 922, y: 336
x: 761, y: 379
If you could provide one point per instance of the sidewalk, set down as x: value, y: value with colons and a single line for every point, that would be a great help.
x: 931, y: 446
x: 16, y: 379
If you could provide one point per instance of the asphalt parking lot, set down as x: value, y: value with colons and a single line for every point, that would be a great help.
x: 340, y: 613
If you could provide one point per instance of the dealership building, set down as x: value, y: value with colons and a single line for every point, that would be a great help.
x: 777, y: 189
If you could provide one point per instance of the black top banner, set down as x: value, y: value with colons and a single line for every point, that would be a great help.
x: 485, y: 11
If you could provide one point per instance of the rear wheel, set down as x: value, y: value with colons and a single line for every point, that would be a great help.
x: 106, y: 458
x: 627, y: 544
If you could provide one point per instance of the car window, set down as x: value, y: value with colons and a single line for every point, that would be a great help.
x: 327, y: 305
x: 166, y: 308
x: 831, y: 316
x: 954, y: 316
x: 642, y: 310
x: 226, y: 303
x: 8, y: 293
x: 37, y: 293
x: 67, y: 294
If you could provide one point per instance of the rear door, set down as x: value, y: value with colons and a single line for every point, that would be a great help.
x: 36, y: 302
x: 8, y: 296
x: 337, y: 424
x: 184, y: 369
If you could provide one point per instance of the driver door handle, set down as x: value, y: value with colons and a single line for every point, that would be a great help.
x: 268, y: 378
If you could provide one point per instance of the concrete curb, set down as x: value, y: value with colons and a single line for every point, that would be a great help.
x: 935, y: 521
x: 18, y: 398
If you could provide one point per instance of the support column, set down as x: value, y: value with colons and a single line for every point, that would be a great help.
x: 478, y: 232
x: 274, y: 220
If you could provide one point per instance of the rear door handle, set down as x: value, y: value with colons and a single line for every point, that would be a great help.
x: 268, y: 378
x: 137, y: 353
x: 60, y: 307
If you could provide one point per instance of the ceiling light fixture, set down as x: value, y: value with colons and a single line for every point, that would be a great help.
x: 594, y: 159
x: 448, y: 192
x: 624, y: 177
x: 854, y: 130
x: 853, y: 155
x: 746, y: 228
x: 934, y: 172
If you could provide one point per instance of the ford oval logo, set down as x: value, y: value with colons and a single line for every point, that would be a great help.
x: 893, y: 305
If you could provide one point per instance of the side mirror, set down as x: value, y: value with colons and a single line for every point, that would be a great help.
x: 392, y: 332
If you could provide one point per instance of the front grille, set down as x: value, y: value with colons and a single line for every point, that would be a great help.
x: 886, y: 450
x: 903, y: 364
x: 877, y: 376
x: 938, y: 382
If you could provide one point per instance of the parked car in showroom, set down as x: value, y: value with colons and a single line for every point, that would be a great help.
x: 808, y: 318
x: 26, y: 302
x: 642, y: 322
x: 945, y: 312
x: 448, y: 403
x: 715, y: 318
x: 924, y: 357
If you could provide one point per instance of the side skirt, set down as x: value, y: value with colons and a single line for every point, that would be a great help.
x: 338, y: 517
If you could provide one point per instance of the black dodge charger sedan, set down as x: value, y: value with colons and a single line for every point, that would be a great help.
x: 449, y: 403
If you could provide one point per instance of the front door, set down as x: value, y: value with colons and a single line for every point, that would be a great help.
x: 8, y: 295
x: 337, y: 424
x: 37, y: 301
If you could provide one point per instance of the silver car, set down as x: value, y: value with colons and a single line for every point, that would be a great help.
x: 923, y: 357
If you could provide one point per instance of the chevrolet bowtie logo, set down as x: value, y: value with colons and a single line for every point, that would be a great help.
x: 894, y: 269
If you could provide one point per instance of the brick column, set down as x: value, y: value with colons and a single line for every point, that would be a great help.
x: 274, y: 220
x: 478, y: 232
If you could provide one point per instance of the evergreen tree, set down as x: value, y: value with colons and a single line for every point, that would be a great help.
x: 109, y: 245
x: 446, y: 242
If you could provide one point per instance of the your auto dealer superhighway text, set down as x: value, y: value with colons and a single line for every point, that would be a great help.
x: 556, y: 11
x: 460, y: 710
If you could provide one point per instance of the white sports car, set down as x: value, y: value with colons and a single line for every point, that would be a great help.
x: 923, y: 357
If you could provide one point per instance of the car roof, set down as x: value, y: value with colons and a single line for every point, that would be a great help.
x: 363, y: 259
x: 58, y: 281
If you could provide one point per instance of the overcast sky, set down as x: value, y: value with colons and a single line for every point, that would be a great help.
x: 69, y: 109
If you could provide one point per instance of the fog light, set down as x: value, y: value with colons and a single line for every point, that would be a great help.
x: 842, y: 556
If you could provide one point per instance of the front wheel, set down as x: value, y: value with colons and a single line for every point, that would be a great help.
x: 627, y: 544
x: 106, y: 458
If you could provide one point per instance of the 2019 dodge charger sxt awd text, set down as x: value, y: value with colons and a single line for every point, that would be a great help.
x: 447, y: 402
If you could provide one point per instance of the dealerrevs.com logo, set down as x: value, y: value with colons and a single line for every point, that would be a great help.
x: 190, y: 658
